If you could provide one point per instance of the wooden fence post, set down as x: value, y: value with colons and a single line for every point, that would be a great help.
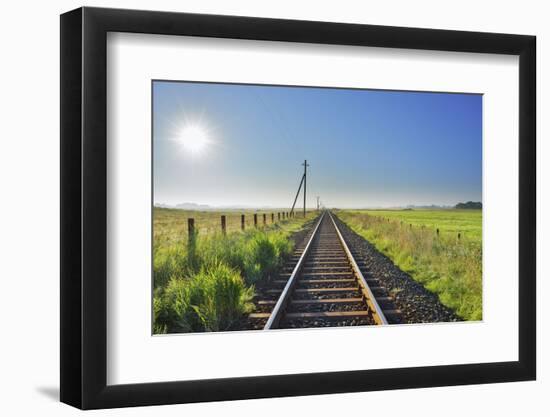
x: 242, y: 221
x: 458, y: 235
x: 264, y: 220
x: 272, y: 218
x: 255, y: 220
x: 190, y: 229
x: 279, y: 216
x: 437, y: 231
x: 223, y: 224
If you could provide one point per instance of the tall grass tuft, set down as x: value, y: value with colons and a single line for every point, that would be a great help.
x: 211, y: 300
x: 448, y: 266
x: 264, y: 254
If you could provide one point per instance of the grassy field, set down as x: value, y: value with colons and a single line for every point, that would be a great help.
x: 206, y: 282
x: 451, y: 221
x: 448, y: 265
x: 172, y: 223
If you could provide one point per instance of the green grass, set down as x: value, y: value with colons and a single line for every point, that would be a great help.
x: 448, y: 221
x: 212, y: 299
x: 207, y: 283
x: 443, y: 263
x: 172, y: 223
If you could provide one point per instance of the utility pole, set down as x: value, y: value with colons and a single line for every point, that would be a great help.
x: 302, y: 181
x: 305, y: 179
x: 317, y: 203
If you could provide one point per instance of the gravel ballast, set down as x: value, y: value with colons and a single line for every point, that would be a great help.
x: 417, y: 304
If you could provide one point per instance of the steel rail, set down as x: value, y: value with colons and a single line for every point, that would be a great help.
x: 278, y: 310
x: 380, y: 318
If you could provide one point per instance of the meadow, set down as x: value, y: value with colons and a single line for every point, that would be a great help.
x: 206, y: 282
x: 448, y: 262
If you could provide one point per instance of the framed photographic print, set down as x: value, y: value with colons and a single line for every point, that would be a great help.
x: 258, y: 207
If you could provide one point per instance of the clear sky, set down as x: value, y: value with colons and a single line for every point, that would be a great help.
x: 243, y: 145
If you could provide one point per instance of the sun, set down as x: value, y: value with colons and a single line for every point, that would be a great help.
x: 194, y: 139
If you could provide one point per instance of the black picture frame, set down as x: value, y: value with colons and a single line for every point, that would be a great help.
x: 84, y: 207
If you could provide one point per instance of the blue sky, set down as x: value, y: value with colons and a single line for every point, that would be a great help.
x: 366, y: 148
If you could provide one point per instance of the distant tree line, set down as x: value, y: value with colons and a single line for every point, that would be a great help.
x: 469, y: 205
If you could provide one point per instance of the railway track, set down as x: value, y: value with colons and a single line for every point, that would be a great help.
x: 324, y: 285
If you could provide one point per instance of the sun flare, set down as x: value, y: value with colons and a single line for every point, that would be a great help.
x: 194, y: 139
